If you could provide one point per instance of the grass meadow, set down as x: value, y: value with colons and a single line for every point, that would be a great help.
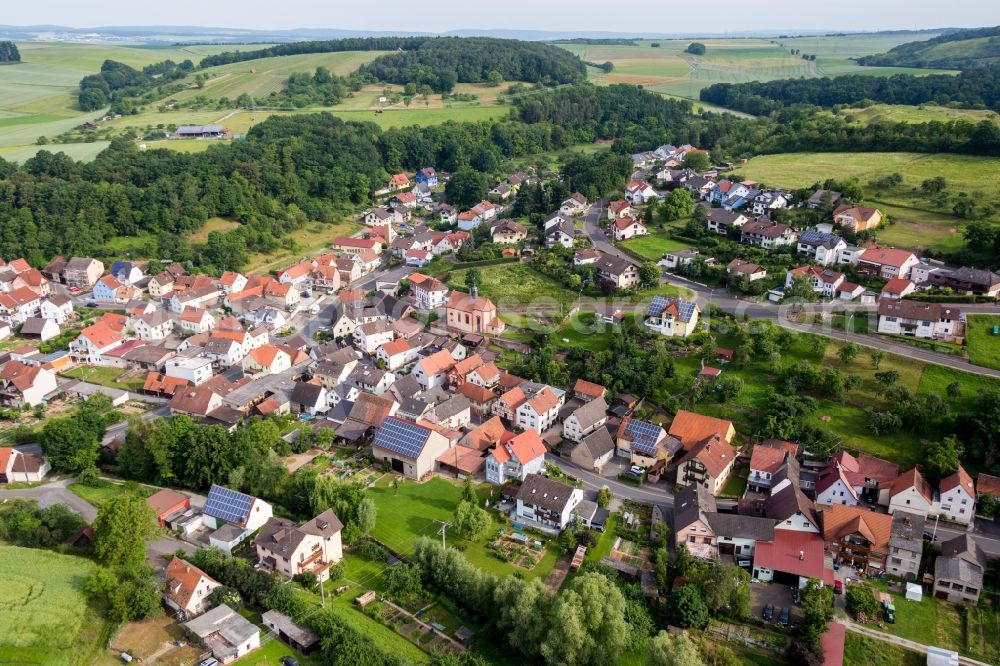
x: 42, y: 606
x: 984, y: 347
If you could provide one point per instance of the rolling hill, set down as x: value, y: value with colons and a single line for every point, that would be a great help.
x: 964, y: 49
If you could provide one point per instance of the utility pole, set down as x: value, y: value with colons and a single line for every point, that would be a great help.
x: 444, y: 527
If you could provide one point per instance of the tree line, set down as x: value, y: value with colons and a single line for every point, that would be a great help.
x: 444, y: 61
x: 973, y: 88
x: 316, y: 46
x: 117, y: 82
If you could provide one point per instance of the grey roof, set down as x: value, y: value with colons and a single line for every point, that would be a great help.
x: 585, y: 509
x: 35, y: 325
x: 147, y: 354
x: 232, y: 627
x: 975, y: 276
x: 787, y: 502
x: 280, y: 536
x: 305, y: 393
x: 741, y: 527
x: 693, y: 502
x: 405, y: 386
x: 817, y: 197
x: 155, y: 317
x: 598, y: 443
x: 955, y: 568
x: 590, y: 413
x: 545, y: 493
x: 907, y: 531
x: 79, y: 264
x: 287, y: 626
x: 818, y: 238
x: 613, y: 265
x: 324, y: 525
x: 454, y: 405
x: 790, y: 470
x: 228, y: 533
x: 724, y: 217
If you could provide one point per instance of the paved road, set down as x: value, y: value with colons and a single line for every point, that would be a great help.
x: 896, y: 640
x: 592, y: 481
x: 55, y: 492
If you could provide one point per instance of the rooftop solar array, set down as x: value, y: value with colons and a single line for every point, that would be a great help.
x: 818, y: 238
x: 402, y: 437
x: 657, y: 306
x: 227, y: 505
x: 644, y: 436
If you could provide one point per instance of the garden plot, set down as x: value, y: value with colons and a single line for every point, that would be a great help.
x: 520, y: 550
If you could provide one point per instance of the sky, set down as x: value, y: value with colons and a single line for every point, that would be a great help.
x: 646, y: 16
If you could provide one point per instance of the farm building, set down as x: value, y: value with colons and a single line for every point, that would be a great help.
x: 200, y: 132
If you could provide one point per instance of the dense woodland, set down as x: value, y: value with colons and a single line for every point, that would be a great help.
x: 444, y: 61
x: 9, y: 52
x: 981, y: 50
x: 116, y: 82
x: 974, y: 88
x: 322, y: 46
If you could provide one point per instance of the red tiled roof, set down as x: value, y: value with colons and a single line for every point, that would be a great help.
x: 912, y: 479
x: 987, y: 483
x: 692, y: 428
x: 589, y: 388
x: 782, y: 554
x: 833, y: 644
x: 524, y: 447
x: 959, y: 478
x: 896, y: 286
x: 886, y: 257
x: 766, y: 459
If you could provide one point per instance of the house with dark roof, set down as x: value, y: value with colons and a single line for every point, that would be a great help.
x: 286, y: 629
x: 691, y: 526
x: 644, y: 443
x: 906, y: 545
x: 309, y: 398
x: 233, y: 515
x: 738, y: 535
x: 594, y: 450
x: 967, y: 280
x: 792, y: 511
x: 767, y: 234
x: 186, y: 589
x: 959, y: 570
x: 721, y: 221
x: 672, y: 317
x: 821, y: 247
x: 918, y: 319
x: 617, y: 273
x: 225, y: 633
x: 585, y: 419
x: 546, y: 503
x: 408, y: 448
x: 22, y: 465
x: 288, y: 549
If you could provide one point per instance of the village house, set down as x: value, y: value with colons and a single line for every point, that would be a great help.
x: 516, y: 458
x: 906, y: 545
x: 232, y: 282
x: 886, y: 263
x: 351, y: 246
x: 431, y: 371
x: 917, y: 319
x: 268, y: 359
x: 824, y: 197
x: 617, y: 273
x: 792, y: 558
x: 39, y: 328
x: 200, y: 297
x: 625, y: 228
x: 372, y: 335
x: 620, y: 208
x: 153, y: 326
x: 751, y: 271
x: 396, y: 354
x: 576, y: 204
x: 824, y: 281
x: 82, y: 273
x: 308, y: 398
x: 25, y: 385
x: 17, y: 305
x: 643, y: 443
x: 765, y: 461
x: 428, y: 292
x: 764, y: 233
x: 562, y: 233
x: 957, y: 497
x: 546, y: 503
x: 192, y: 369
x: 854, y: 219
x: 639, y: 192
x: 912, y: 493
x: 508, y: 232
x: 160, y: 285
x: 418, y: 258
x: 959, y: 571
x: 233, y: 515
x: 672, y: 317
x: 57, y: 307
x: 594, y: 451
x: 691, y: 526
x: 539, y: 412
x: 723, y: 221
x: 709, y: 463
x: 427, y: 176
x: 290, y: 550
x: 763, y: 202
x: 186, y: 588
x: 127, y: 272
x: 22, y: 466
x: 408, y: 448
x: 225, y: 633
x: 586, y: 256
x: 967, y: 281
x: 93, y: 342
x: 848, y: 480
x: 792, y: 510
x: 897, y: 288
x: 857, y: 537
x: 585, y: 419
x: 470, y: 313
x: 196, y: 320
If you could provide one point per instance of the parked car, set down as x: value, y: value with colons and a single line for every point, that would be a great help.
x: 784, y: 616
x: 768, y: 612
x: 289, y: 660
x: 635, y: 470
x: 838, y: 587
x: 211, y: 661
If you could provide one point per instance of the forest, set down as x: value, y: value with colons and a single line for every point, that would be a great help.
x: 9, y: 52
x: 117, y: 81
x: 973, y: 88
x: 323, y: 46
x: 444, y: 61
x: 982, y: 50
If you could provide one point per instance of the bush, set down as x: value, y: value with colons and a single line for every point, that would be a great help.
x: 861, y: 602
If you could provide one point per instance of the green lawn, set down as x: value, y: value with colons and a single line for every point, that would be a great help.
x: 512, y: 285
x: 737, y: 482
x: 271, y: 654
x: 42, y: 606
x: 984, y: 347
x: 584, y: 330
x: 411, y: 511
x: 654, y: 246
x: 104, y: 376
x: 863, y: 651
x: 98, y: 495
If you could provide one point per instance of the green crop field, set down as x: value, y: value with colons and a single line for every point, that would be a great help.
x: 42, y: 606
x: 984, y: 347
x: 668, y: 69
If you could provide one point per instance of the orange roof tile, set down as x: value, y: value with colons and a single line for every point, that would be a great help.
x: 959, y: 478
x: 842, y: 520
x: 437, y: 363
x: 912, y: 479
x: 692, y: 428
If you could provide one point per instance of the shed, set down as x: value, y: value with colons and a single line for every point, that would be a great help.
x: 914, y: 592
x: 365, y: 599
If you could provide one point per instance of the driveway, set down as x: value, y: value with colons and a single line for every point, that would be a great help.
x: 779, y: 596
x: 650, y: 493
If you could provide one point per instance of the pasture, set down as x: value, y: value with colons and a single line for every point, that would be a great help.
x: 42, y: 606
x: 984, y: 347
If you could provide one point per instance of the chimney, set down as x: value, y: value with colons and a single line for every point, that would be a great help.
x: 802, y: 555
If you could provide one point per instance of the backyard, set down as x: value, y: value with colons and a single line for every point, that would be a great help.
x: 105, y: 376
x: 654, y: 246
x: 105, y: 490
x: 513, y: 285
x: 983, y: 343
x: 414, y: 510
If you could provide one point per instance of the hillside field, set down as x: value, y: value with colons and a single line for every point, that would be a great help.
x: 42, y: 606
x: 668, y: 69
x: 920, y: 223
x: 925, y: 113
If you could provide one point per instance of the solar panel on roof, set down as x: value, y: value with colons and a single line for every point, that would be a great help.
x: 657, y: 306
x: 644, y: 436
x: 227, y: 505
x: 406, y: 439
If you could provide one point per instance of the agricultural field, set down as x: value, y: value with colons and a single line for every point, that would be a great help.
x: 668, y: 69
x: 920, y: 222
x: 984, y: 347
x: 42, y: 606
x: 925, y: 113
